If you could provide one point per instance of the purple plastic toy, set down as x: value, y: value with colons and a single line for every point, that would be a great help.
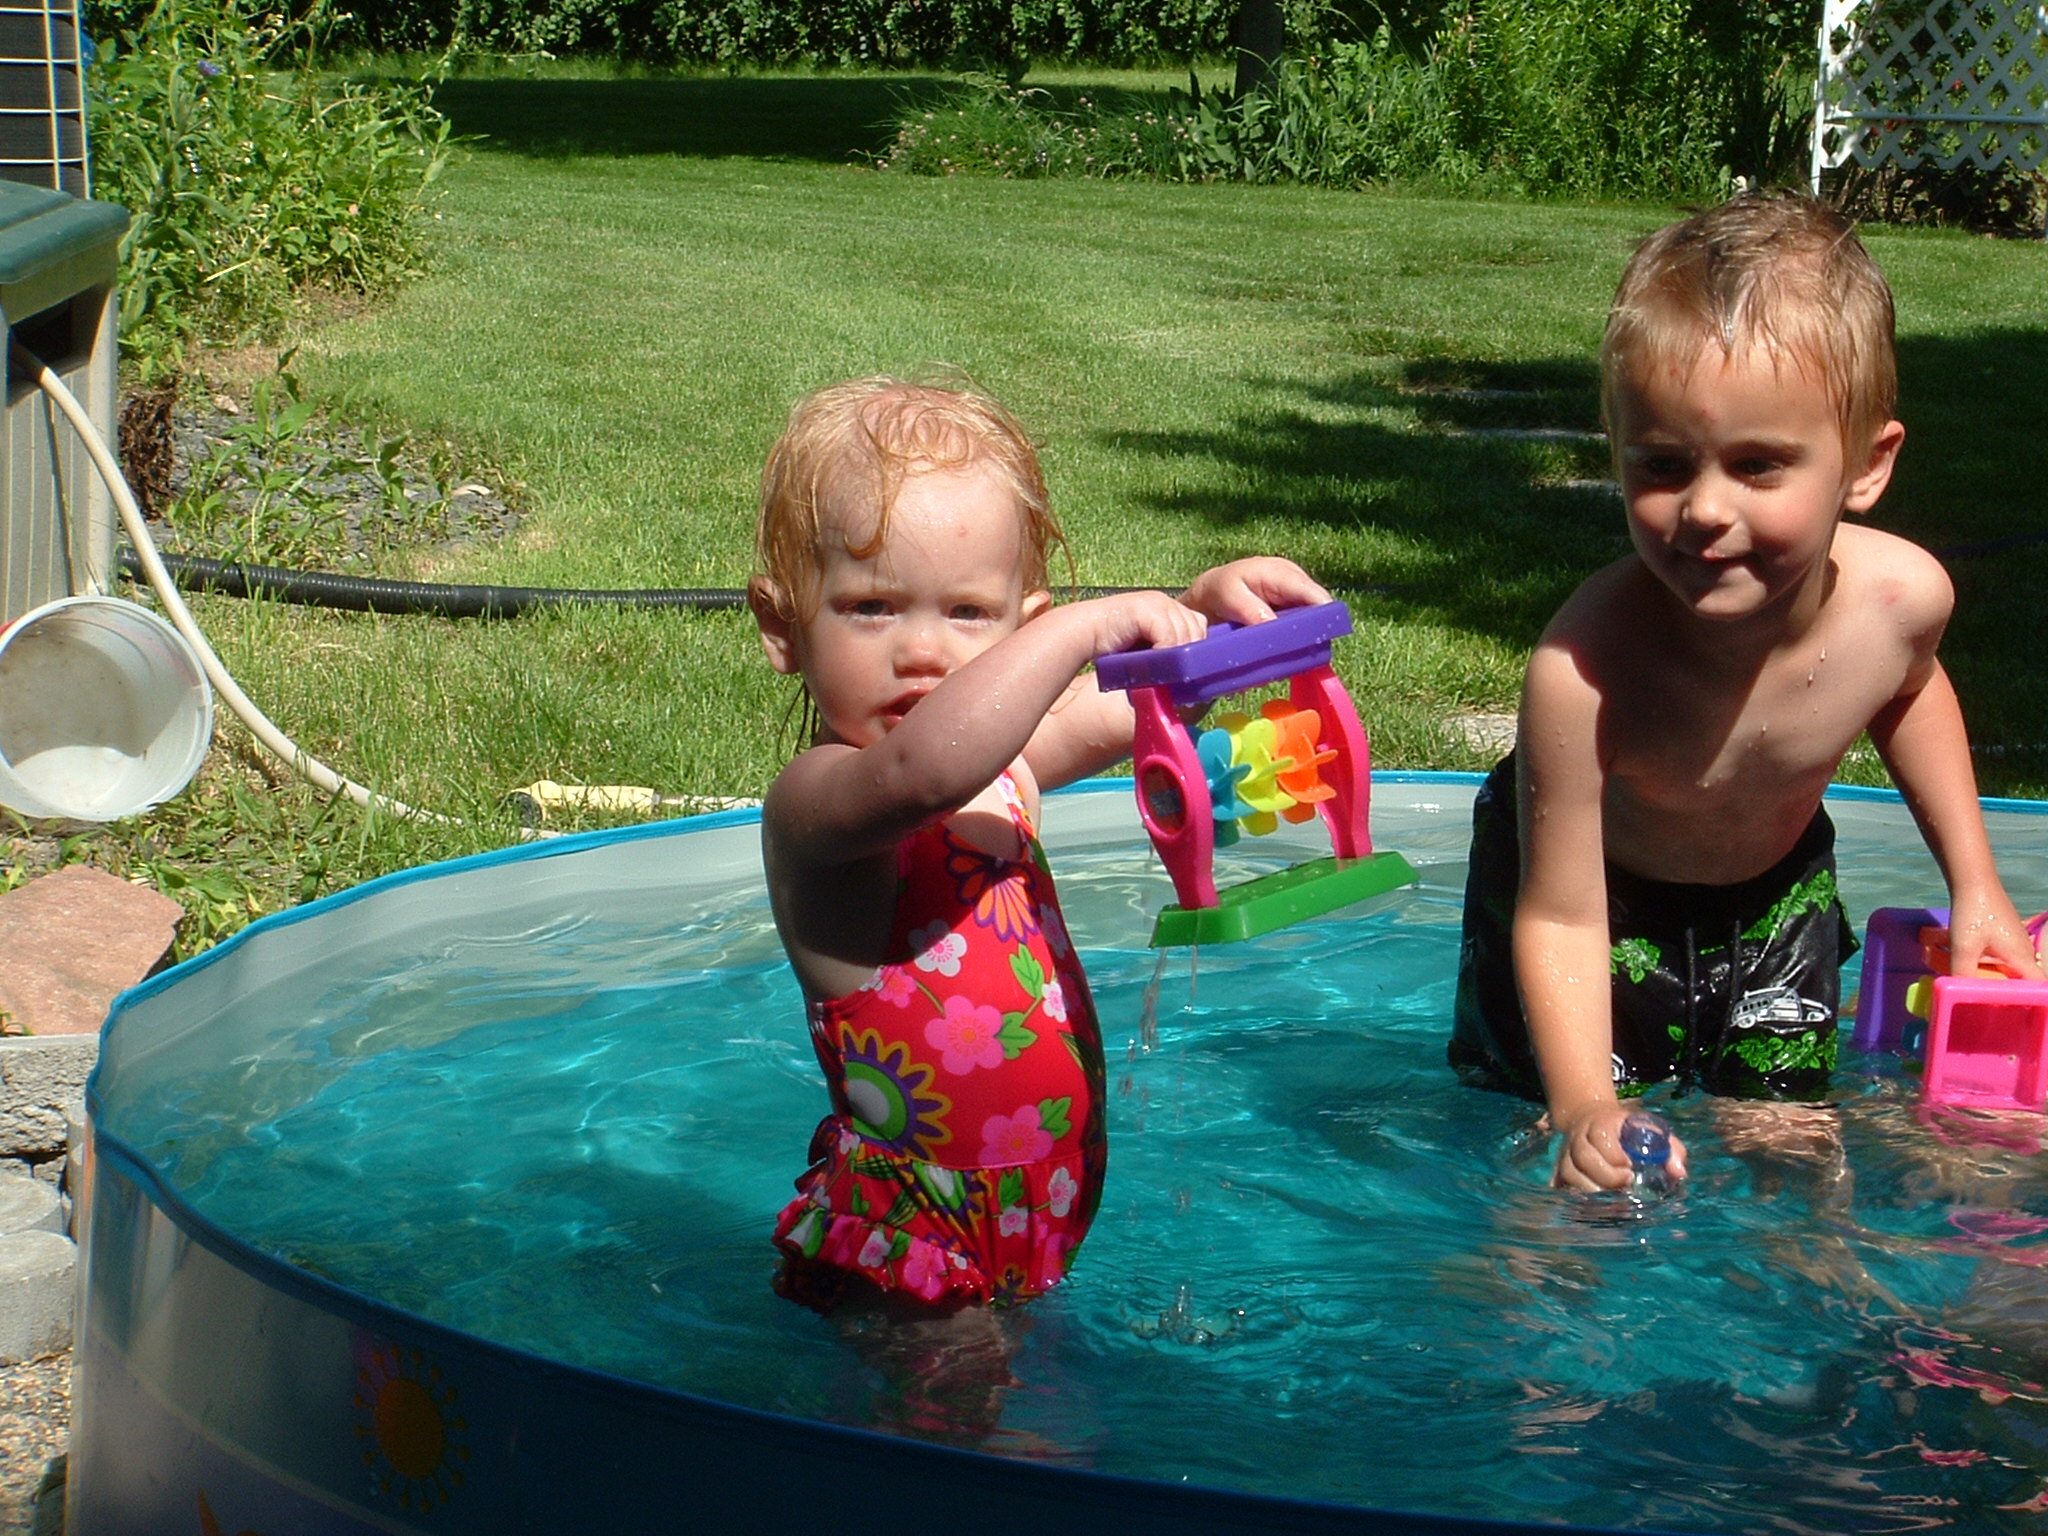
x: 1174, y: 796
x: 1893, y: 959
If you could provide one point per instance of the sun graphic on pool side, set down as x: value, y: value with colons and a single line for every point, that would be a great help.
x: 411, y: 1435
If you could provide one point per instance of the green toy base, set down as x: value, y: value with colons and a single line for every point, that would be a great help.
x: 1285, y: 896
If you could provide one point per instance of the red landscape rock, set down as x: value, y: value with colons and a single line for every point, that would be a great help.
x: 71, y: 940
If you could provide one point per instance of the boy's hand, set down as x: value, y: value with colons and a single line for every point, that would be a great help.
x: 1591, y: 1157
x: 1247, y: 591
x: 1985, y: 926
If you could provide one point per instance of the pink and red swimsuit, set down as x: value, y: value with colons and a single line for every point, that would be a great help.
x: 964, y: 1155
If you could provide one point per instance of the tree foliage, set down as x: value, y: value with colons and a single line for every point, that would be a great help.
x: 250, y: 174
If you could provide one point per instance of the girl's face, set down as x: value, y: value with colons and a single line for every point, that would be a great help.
x: 885, y: 631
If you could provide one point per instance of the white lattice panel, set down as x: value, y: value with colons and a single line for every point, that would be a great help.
x: 1950, y: 83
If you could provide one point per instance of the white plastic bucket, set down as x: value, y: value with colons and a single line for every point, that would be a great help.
x: 104, y: 710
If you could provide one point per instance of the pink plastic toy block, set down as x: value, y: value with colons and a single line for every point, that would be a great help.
x: 1987, y: 1043
x: 1893, y: 959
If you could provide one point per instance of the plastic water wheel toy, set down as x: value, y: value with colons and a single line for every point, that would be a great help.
x: 1298, y: 758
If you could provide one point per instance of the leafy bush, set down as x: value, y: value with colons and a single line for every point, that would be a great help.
x: 987, y: 33
x: 249, y: 174
x: 991, y: 128
x: 2002, y: 200
x: 1573, y: 97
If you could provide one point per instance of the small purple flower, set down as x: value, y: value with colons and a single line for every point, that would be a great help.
x: 208, y: 68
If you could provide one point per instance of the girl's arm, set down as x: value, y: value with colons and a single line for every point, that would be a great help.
x: 835, y: 804
x: 1922, y: 739
x: 1561, y: 942
x: 1088, y: 730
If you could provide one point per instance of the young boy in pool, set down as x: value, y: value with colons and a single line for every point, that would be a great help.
x: 1652, y: 887
x: 903, y: 539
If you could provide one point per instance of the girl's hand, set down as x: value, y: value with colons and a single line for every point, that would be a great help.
x: 1247, y: 591
x: 1591, y: 1157
x: 1132, y: 619
x: 1985, y: 926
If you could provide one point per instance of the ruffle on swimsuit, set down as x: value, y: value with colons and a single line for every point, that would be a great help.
x: 964, y: 1156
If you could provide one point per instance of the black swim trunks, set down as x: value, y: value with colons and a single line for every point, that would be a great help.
x: 1729, y: 988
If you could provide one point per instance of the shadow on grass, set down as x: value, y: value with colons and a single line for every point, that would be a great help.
x: 1489, y: 534
x: 1482, y: 532
x: 1969, y: 487
x: 820, y: 118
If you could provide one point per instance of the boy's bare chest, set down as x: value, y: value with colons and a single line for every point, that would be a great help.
x: 1709, y: 774
x: 1699, y: 733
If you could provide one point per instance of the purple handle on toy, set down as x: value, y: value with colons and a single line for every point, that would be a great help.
x: 1231, y: 657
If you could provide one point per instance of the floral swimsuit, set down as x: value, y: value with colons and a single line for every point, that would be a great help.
x: 964, y: 1155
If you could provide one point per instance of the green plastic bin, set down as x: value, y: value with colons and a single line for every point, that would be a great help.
x: 58, y: 256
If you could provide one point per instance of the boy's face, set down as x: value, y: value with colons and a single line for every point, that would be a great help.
x: 1735, y: 474
x: 883, y: 632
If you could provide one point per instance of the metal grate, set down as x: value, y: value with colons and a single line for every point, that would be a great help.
x: 42, y: 97
x: 1947, y: 83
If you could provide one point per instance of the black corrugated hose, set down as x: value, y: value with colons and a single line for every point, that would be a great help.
x: 362, y: 594
x: 365, y: 594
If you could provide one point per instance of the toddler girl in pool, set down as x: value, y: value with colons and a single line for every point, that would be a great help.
x: 903, y: 538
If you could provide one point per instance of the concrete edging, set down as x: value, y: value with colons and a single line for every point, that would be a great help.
x: 42, y: 1090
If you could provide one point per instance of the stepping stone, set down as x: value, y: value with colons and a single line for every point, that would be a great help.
x: 36, y: 1280
x: 73, y: 939
x: 1484, y: 732
x: 28, y: 1205
x: 1532, y: 434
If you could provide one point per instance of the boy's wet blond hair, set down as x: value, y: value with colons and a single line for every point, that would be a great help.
x: 844, y: 455
x: 1774, y: 270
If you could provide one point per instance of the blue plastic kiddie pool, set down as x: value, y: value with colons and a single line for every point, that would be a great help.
x: 443, y: 1205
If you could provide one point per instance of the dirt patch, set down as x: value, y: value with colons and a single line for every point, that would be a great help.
x: 231, y: 463
x: 35, y: 1429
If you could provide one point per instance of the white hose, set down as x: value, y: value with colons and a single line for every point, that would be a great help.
x: 282, y: 746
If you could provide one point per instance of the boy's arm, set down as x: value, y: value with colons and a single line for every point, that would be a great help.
x: 1922, y: 739
x: 834, y: 803
x: 1561, y: 943
x: 1088, y: 730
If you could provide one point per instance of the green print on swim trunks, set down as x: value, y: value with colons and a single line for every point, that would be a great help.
x: 1769, y: 1054
x: 1638, y: 957
x: 1816, y: 893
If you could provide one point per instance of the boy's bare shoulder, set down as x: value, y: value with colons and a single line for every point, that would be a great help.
x: 1611, y: 600
x: 1887, y: 579
x: 1592, y: 645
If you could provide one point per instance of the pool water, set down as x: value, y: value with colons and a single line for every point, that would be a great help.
x: 1322, y: 1268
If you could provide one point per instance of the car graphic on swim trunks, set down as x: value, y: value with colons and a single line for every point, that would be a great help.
x: 1778, y: 1007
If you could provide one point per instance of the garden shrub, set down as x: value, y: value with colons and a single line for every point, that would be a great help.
x: 1565, y: 97
x: 250, y: 175
x: 992, y: 128
x: 2000, y: 200
x: 988, y: 33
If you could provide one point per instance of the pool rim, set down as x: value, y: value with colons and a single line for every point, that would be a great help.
x: 577, y: 842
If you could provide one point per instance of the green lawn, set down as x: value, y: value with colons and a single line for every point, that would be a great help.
x: 637, y: 277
